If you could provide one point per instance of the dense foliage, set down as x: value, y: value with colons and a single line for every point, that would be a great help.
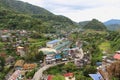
x: 19, y: 15
x: 80, y: 73
x: 95, y: 25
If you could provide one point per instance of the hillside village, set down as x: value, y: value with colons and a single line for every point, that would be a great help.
x: 55, y: 52
x: 36, y: 44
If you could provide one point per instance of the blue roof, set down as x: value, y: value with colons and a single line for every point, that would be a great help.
x: 95, y: 76
x: 54, y: 41
x: 58, y: 56
x: 98, y: 63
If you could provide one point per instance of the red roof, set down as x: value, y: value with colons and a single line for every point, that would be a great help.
x: 50, y: 77
x: 68, y: 74
x: 117, y: 56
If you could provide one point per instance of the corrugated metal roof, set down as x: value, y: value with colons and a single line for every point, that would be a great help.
x: 54, y: 41
x: 95, y: 76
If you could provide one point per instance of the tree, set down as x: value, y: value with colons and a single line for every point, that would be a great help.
x: 88, y: 70
x: 40, y: 56
x: 58, y: 77
x: 2, y: 63
x: 69, y: 67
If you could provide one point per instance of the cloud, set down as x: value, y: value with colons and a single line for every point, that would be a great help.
x: 80, y: 10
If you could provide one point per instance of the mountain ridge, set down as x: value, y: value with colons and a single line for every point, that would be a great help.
x: 95, y: 25
x: 113, y: 24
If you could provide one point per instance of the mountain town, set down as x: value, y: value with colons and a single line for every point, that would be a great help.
x: 36, y: 44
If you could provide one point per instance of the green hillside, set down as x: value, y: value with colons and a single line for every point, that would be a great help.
x: 24, y: 7
x: 27, y: 16
x: 95, y: 25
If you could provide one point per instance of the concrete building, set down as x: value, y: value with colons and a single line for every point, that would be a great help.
x: 20, y: 51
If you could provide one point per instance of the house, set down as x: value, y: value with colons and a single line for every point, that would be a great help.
x: 28, y: 66
x: 9, y: 60
x: 69, y: 76
x: 16, y: 75
x: 117, y: 55
x: 19, y: 65
x: 20, y: 51
x: 58, y: 56
x: 50, y: 58
x: 5, y: 37
x: 53, y: 43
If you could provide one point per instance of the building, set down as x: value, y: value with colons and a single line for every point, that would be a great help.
x: 69, y: 76
x: 96, y: 76
x: 53, y: 43
x: 117, y: 55
x: 16, y: 75
x: 5, y: 37
x: 19, y: 65
x: 20, y: 51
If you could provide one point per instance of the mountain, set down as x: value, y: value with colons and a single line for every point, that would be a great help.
x: 23, y: 7
x: 16, y: 14
x: 113, y: 24
x: 112, y: 21
x: 83, y: 23
x: 95, y: 25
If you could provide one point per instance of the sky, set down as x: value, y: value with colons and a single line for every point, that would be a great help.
x: 81, y: 10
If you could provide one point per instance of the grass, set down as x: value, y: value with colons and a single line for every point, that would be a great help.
x: 105, y: 46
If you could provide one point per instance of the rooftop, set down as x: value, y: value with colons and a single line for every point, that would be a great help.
x: 63, y: 45
x: 54, y: 41
x: 29, y: 66
x: 95, y: 76
x: 15, y: 75
x: 48, y: 50
x: 117, y: 51
x: 50, y: 77
x: 117, y: 56
x: 68, y: 74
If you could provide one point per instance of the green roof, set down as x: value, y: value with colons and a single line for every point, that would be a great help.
x: 63, y: 45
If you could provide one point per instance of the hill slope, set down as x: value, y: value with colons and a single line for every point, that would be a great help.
x: 24, y: 7
x: 95, y: 25
x: 27, y: 16
x: 83, y: 23
x: 113, y: 24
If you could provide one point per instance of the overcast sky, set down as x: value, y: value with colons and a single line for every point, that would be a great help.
x: 82, y: 10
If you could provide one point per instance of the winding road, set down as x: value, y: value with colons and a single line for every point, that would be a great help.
x: 39, y: 74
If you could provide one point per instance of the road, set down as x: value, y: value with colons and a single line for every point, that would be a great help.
x: 39, y: 74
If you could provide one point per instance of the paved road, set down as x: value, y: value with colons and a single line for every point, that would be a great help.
x: 39, y: 74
